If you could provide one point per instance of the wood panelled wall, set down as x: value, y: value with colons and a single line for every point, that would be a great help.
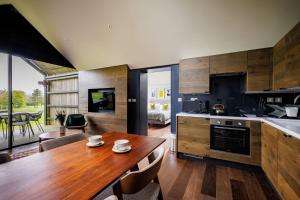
x: 112, y: 77
x: 62, y: 95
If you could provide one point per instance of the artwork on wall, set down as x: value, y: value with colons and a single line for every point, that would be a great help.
x: 161, y: 93
x: 153, y: 92
x: 168, y: 92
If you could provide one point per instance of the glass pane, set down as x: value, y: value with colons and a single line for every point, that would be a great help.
x: 3, y: 100
x: 28, y: 102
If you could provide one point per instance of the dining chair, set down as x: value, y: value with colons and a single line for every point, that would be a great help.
x: 54, y: 143
x: 35, y: 117
x: 143, y: 183
x: 4, y: 157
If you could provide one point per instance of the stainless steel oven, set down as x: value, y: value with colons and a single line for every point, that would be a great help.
x: 230, y: 136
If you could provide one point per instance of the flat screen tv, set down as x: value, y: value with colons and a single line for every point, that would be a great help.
x: 101, y: 100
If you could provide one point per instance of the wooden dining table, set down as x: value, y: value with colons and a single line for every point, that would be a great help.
x: 73, y: 171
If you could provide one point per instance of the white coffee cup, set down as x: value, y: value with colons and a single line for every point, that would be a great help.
x: 121, y: 144
x: 95, y: 139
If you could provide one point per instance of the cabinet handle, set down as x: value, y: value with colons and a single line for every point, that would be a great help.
x: 207, y: 119
x: 282, y: 88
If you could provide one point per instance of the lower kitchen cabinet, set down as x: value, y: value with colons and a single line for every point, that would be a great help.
x: 193, y: 135
x: 288, y: 167
x: 269, y: 152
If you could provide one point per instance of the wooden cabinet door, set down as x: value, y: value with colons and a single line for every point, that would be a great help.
x: 289, y: 167
x: 269, y: 153
x: 286, y: 60
x: 193, y: 135
x: 228, y: 63
x: 194, y: 75
x: 259, y: 70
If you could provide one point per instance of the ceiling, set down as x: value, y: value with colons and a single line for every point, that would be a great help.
x: 145, y: 33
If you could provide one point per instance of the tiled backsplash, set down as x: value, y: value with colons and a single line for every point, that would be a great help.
x: 229, y: 90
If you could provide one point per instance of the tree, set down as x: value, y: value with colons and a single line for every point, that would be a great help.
x: 3, y: 99
x: 18, y: 98
x: 37, y: 97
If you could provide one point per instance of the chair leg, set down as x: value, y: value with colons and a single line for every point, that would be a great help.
x: 31, y: 129
x: 117, y: 191
x: 160, y: 196
x: 37, y: 125
x: 41, y: 126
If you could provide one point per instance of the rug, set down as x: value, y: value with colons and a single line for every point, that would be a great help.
x: 24, y: 153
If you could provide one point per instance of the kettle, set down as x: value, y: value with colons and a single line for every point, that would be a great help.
x: 218, y: 108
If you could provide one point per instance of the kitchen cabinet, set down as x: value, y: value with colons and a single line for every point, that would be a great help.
x: 259, y: 70
x: 194, y: 75
x: 286, y: 60
x: 269, y: 152
x: 288, y: 167
x: 228, y: 63
x: 193, y: 135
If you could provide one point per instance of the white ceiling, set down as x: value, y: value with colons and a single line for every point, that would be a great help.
x: 146, y: 33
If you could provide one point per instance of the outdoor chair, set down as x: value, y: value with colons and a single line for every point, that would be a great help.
x: 2, y: 126
x: 76, y: 121
x: 35, y: 117
x: 20, y: 120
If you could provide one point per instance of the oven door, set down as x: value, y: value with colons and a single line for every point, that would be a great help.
x: 230, y: 139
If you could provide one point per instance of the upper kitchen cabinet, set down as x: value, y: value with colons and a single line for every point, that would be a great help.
x: 229, y: 63
x: 194, y: 75
x: 286, y: 60
x: 259, y: 70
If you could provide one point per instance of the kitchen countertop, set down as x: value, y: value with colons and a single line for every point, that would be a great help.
x: 289, y: 126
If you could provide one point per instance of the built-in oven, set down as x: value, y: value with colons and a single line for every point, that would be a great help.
x: 230, y: 136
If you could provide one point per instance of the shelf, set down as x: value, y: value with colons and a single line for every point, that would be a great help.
x: 64, y: 92
x: 62, y: 106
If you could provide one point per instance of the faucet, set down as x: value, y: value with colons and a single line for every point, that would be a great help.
x: 296, y: 99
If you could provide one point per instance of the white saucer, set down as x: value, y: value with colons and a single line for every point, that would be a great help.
x: 95, y: 144
x: 121, y: 151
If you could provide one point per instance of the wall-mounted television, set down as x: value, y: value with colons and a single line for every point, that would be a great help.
x: 101, y: 100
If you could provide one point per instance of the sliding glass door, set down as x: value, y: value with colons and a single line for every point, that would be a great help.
x: 21, y: 102
x: 27, y: 102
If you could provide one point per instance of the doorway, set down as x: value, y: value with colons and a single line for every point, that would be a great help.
x: 159, y: 102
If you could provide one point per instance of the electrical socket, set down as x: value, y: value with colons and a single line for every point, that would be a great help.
x: 278, y: 99
x: 270, y: 99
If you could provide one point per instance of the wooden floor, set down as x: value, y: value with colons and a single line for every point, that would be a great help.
x: 197, y: 179
x: 158, y: 130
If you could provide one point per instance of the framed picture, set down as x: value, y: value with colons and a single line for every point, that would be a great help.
x: 161, y: 93
x: 153, y: 93
x: 168, y: 92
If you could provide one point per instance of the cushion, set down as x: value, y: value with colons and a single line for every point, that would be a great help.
x: 152, y: 106
x: 165, y: 107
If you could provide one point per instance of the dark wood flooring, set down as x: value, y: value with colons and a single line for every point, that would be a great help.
x: 198, y: 179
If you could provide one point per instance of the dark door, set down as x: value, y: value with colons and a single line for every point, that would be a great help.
x: 137, y: 108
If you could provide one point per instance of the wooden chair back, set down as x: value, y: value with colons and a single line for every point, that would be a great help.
x: 137, y: 180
